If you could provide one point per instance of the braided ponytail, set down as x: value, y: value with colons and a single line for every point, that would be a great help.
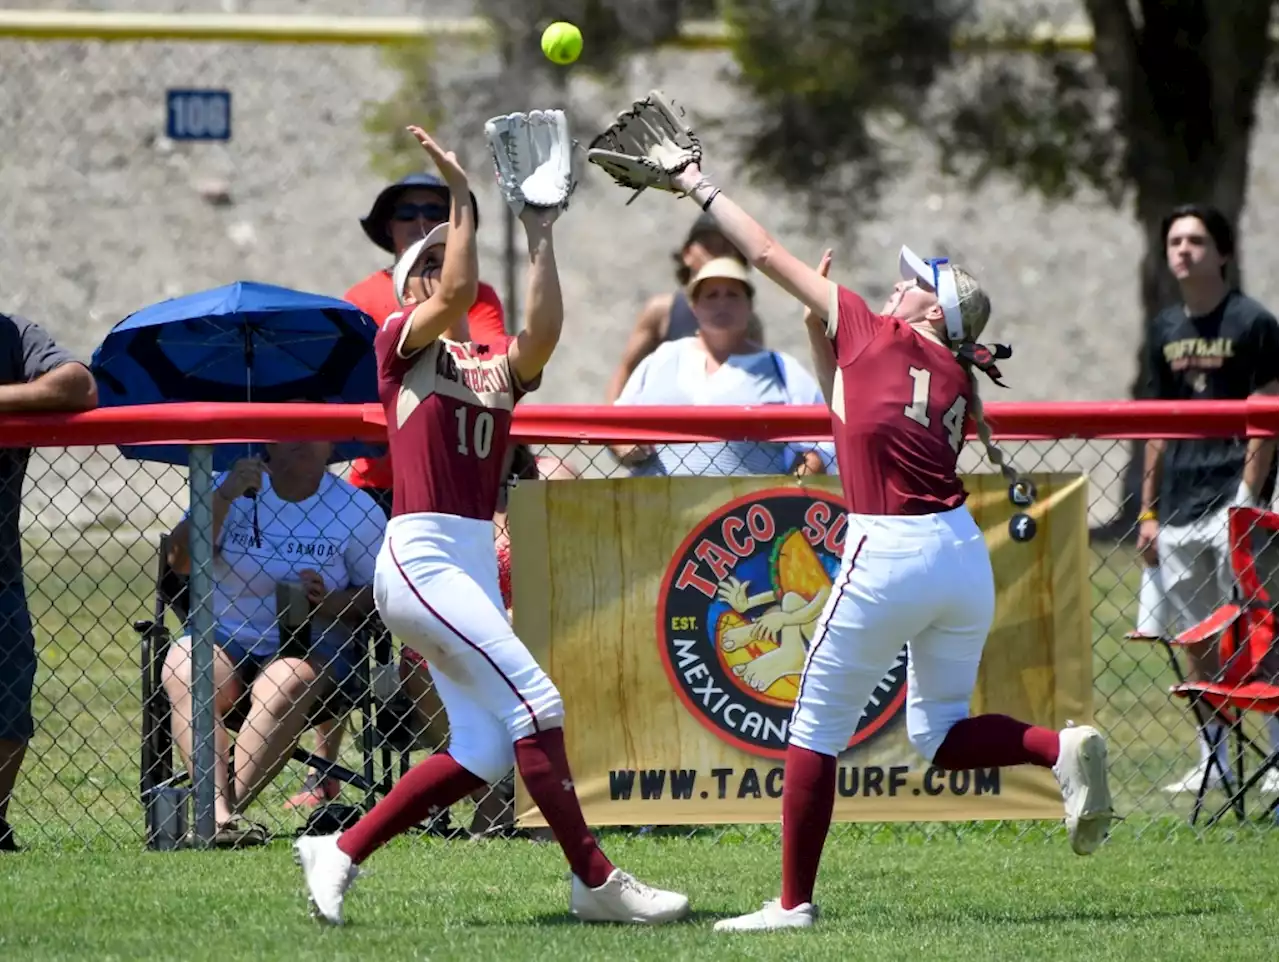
x: 975, y: 310
x: 995, y: 454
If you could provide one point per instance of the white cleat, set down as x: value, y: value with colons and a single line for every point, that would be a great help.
x: 328, y: 871
x: 1082, y: 775
x: 771, y: 917
x: 623, y: 898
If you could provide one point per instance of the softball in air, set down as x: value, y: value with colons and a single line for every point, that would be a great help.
x: 562, y: 43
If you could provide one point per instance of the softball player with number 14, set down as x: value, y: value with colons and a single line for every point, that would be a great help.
x: 900, y: 384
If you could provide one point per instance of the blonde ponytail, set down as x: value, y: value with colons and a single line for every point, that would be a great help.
x: 975, y: 311
x: 994, y: 453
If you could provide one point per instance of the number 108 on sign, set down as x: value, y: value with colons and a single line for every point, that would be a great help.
x: 198, y: 115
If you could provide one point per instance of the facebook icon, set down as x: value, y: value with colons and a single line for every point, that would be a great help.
x: 1022, y: 527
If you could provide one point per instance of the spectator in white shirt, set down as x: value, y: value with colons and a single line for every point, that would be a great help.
x: 722, y: 365
x: 285, y: 521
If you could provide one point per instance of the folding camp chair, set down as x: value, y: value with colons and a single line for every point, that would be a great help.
x: 1246, y: 633
x: 1151, y: 621
x: 383, y: 731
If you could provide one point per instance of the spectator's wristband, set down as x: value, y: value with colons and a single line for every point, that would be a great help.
x: 1148, y: 516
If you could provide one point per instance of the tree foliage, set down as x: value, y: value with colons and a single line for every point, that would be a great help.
x: 392, y: 153
x: 1047, y: 119
x: 823, y: 73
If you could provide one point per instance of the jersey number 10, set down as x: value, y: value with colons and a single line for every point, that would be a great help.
x: 918, y: 409
x: 476, y: 438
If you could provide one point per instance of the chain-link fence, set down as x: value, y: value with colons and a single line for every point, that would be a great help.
x: 315, y: 703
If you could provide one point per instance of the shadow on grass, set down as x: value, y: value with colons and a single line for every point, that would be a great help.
x: 554, y: 919
x: 1094, y: 914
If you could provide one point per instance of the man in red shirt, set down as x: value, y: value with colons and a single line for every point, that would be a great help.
x: 403, y: 214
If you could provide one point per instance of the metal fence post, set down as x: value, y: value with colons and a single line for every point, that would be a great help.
x: 201, y: 623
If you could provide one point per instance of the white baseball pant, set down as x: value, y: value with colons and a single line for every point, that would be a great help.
x: 925, y: 580
x: 436, y: 589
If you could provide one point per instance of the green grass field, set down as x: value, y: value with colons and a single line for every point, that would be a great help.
x: 1001, y: 899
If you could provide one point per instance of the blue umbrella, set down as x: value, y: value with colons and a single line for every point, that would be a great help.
x: 242, y: 342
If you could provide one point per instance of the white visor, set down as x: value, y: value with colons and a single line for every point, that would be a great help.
x: 935, y: 274
x: 409, y: 259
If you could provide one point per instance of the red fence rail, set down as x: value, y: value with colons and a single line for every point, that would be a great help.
x: 569, y: 424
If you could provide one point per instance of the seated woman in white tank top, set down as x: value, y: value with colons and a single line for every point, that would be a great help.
x: 720, y: 365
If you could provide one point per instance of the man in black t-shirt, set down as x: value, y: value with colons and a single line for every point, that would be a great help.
x: 1216, y: 345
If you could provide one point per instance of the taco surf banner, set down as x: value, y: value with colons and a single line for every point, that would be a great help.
x: 639, y: 597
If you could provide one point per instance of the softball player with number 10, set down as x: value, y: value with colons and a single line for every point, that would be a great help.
x: 901, y: 385
x: 449, y: 403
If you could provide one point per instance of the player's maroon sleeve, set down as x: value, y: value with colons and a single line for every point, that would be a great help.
x: 386, y: 345
x: 518, y: 388
x: 850, y: 324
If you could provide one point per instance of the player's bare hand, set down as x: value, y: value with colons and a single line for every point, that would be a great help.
x: 1148, y: 534
x: 446, y: 161
x: 245, y: 476
x: 313, y: 585
x: 734, y: 594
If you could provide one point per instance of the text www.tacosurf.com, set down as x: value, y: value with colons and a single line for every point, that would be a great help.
x: 652, y: 784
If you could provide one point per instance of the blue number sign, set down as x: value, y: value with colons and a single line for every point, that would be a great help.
x: 198, y: 115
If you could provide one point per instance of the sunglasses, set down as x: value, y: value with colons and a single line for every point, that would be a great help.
x: 432, y: 212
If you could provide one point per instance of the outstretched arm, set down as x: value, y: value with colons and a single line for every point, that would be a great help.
x: 460, y: 272
x: 763, y: 251
x: 543, y: 304
x: 821, y: 349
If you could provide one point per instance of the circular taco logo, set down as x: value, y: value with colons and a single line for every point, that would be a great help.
x: 740, y: 607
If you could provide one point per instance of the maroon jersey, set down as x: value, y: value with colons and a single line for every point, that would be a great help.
x: 898, y: 410
x: 448, y: 412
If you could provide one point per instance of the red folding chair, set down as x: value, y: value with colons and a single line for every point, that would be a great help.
x: 1246, y: 633
x: 1202, y: 708
x: 1150, y: 630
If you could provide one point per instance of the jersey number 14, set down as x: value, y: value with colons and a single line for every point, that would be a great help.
x: 474, y: 436
x: 918, y: 409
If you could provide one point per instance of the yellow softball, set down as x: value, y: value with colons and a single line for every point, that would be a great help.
x: 562, y: 42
